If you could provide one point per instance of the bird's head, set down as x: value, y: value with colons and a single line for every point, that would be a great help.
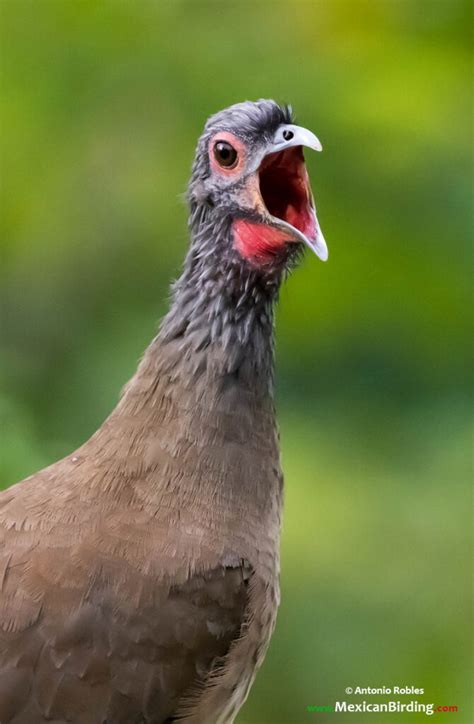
x: 249, y: 171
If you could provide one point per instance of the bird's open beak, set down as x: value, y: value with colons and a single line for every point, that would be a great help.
x: 280, y: 192
x: 286, y: 190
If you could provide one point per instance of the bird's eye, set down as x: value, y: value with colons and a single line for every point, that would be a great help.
x: 225, y: 154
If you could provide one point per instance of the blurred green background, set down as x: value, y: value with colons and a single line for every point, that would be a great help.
x: 102, y: 105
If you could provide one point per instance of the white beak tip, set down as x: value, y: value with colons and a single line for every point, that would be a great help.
x: 320, y: 247
x: 323, y: 253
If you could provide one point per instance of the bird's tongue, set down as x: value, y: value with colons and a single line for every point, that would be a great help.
x: 288, y: 213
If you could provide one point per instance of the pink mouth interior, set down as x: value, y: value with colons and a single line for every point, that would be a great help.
x: 285, y: 189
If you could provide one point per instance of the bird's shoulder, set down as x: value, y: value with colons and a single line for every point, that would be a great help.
x: 115, y: 646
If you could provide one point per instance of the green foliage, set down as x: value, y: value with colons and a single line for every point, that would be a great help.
x: 102, y: 105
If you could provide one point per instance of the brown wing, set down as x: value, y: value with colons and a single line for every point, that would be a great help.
x: 88, y: 643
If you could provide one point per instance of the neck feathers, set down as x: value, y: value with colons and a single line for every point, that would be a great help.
x: 216, y: 341
x: 205, y: 382
x: 221, y: 307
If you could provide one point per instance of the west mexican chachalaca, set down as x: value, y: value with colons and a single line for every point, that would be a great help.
x: 139, y: 575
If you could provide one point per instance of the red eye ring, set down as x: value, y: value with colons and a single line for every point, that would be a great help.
x: 214, y: 151
x: 225, y: 154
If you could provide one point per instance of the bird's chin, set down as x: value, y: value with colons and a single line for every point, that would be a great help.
x: 281, y: 210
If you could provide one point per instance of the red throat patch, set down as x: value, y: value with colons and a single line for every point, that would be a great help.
x: 258, y: 243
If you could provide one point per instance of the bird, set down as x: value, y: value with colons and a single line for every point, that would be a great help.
x: 139, y: 575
